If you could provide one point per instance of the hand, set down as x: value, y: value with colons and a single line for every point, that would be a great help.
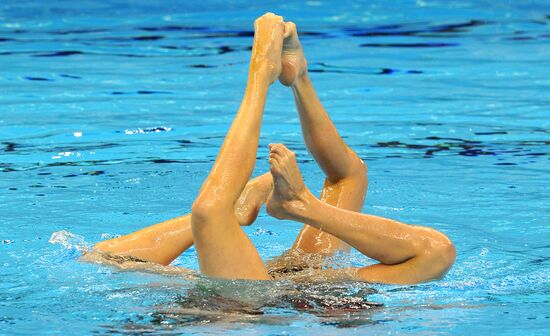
x: 267, y: 48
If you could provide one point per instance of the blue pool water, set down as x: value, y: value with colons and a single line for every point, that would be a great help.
x: 112, y: 112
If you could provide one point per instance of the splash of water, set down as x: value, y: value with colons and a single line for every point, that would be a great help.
x: 69, y: 241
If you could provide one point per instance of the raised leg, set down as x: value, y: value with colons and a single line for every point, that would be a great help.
x: 223, y: 248
x: 163, y: 242
x: 407, y: 254
x: 346, y: 174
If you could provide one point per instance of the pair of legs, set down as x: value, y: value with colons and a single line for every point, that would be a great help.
x: 227, y: 200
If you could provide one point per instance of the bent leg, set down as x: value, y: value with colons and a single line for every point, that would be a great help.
x: 160, y: 243
x: 163, y: 242
x: 223, y: 248
x: 347, y: 194
x: 409, y: 254
x: 346, y: 174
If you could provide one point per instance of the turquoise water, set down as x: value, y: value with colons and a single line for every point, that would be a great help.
x: 112, y: 113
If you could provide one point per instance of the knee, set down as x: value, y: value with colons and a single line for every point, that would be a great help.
x: 362, y: 170
x: 204, y: 209
x: 442, y: 254
x: 359, y: 174
x: 448, y: 253
x: 357, y: 166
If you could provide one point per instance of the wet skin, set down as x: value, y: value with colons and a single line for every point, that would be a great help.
x: 227, y: 200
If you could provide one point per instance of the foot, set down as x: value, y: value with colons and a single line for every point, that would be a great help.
x: 293, y: 61
x: 289, y: 197
x: 267, y: 47
x: 252, y: 198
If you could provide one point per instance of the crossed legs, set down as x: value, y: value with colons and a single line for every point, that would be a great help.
x: 408, y: 254
x: 227, y: 201
x: 345, y: 185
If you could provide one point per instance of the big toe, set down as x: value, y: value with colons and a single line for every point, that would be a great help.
x: 290, y: 29
x: 291, y: 41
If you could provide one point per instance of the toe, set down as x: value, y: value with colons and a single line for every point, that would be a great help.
x: 275, y: 148
x: 290, y: 29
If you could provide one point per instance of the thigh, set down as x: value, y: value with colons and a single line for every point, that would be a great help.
x: 129, y: 263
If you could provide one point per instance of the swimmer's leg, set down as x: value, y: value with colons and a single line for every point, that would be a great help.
x: 160, y: 243
x: 163, y: 242
x: 223, y: 248
x: 407, y: 254
x: 346, y: 174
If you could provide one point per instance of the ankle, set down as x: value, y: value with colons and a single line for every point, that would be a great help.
x: 300, y: 207
x: 302, y: 80
x: 266, y: 181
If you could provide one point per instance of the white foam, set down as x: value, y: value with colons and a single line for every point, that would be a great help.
x: 69, y: 240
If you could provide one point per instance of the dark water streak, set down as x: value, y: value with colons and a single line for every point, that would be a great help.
x: 442, y: 146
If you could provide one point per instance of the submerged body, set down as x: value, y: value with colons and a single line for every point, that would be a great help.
x: 407, y: 254
x: 316, y: 268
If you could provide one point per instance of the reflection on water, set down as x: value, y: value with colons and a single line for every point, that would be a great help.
x: 266, y: 302
x: 205, y: 300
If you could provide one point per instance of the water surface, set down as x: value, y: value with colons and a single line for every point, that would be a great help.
x: 111, y: 115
